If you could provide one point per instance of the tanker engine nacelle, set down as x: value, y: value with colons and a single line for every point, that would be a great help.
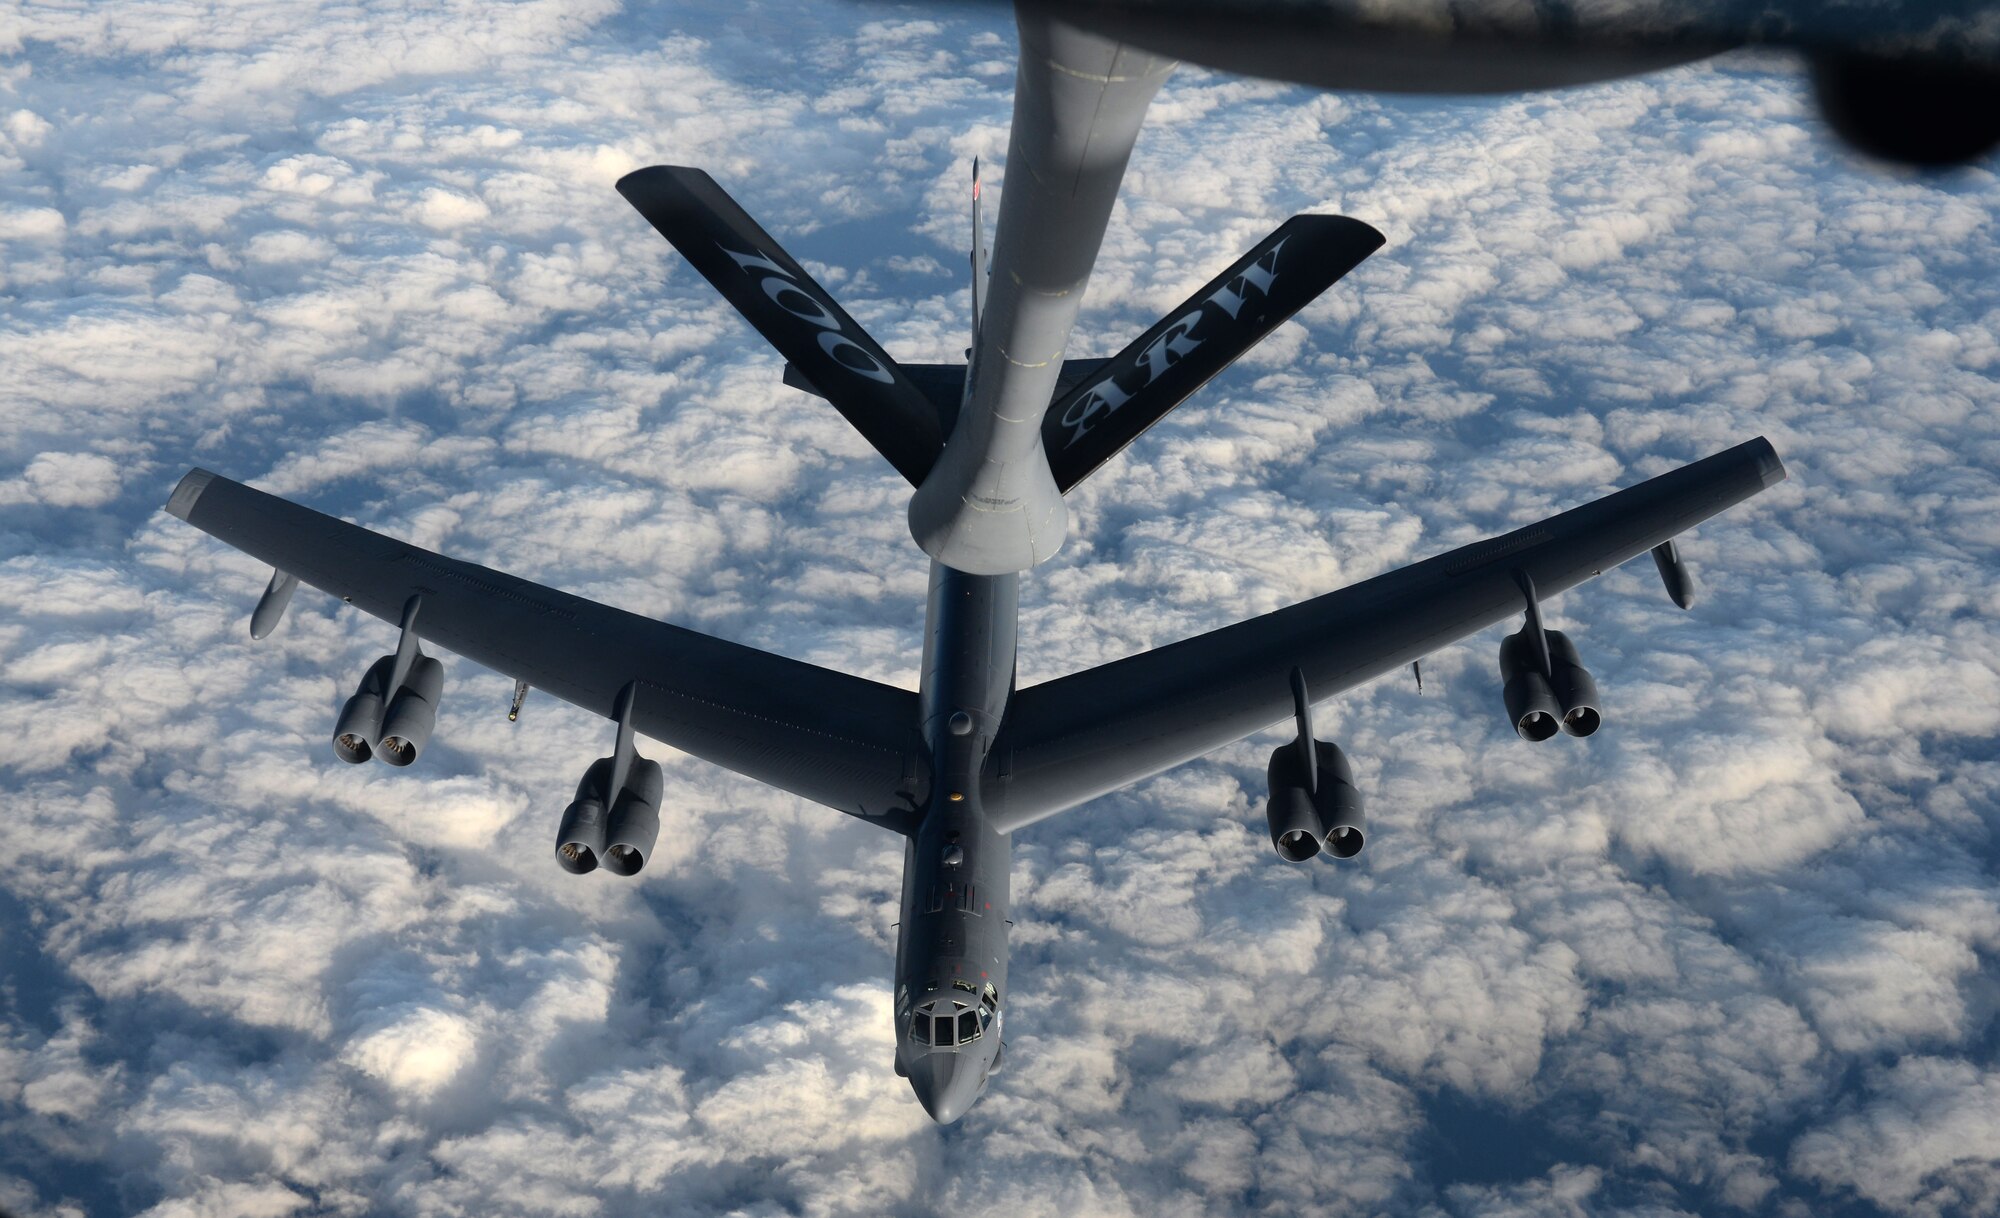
x: 1305, y: 815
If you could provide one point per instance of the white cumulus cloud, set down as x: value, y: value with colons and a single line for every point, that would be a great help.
x: 1731, y: 954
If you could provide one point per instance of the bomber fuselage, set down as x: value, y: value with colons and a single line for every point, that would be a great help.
x: 951, y: 945
x: 987, y: 510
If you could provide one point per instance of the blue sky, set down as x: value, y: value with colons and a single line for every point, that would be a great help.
x: 1734, y: 954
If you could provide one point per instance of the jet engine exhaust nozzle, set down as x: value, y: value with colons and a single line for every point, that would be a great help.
x: 1305, y: 820
x: 614, y: 832
x: 580, y: 837
x: 360, y: 723
x: 406, y: 729
x: 1541, y: 705
x: 393, y: 725
x: 634, y: 823
x: 1576, y: 689
x: 1532, y: 708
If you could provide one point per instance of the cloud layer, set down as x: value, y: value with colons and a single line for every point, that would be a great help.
x: 1733, y: 954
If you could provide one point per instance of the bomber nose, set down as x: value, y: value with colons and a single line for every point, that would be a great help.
x: 946, y: 1083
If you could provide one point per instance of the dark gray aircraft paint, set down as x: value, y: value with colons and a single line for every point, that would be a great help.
x: 960, y: 764
x: 1914, y: 82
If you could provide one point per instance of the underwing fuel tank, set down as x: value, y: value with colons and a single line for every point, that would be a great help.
x: 272, y: 605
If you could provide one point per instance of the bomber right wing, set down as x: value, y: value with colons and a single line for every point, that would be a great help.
x: 1087, y: 734
x: 836, y: 739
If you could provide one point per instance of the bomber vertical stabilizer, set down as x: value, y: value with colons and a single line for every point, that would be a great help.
x: 979, y: 271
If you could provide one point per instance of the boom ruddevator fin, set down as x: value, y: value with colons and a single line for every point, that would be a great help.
x: 793, y: 312
x: 944, y: 384
x: 1229, y: 315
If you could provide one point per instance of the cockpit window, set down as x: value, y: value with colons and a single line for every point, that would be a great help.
x: 950, y: 1022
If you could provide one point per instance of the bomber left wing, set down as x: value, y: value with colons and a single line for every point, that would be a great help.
x: 1090, y: 733
x: 839, y: 740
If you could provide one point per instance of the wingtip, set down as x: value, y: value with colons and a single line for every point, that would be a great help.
x: 187, y: 492
x: 1770, y: 468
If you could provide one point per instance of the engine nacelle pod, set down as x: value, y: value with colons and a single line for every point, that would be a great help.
x: 1575, y: 689
x: 1343, y: 821
x: 634, y: 823
x: 1302, y: 820
x: 1294, y: 826
x: 1927, y: 111
x: 1531, y: 701
x: 580, y: 839
x: 360, y: 723
x: 413, y: 713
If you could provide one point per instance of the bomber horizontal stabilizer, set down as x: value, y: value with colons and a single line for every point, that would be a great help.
x: 1230, y: 314
x: 794, y: 313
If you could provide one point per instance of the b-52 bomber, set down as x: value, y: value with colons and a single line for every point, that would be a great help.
x: 956, y: 767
